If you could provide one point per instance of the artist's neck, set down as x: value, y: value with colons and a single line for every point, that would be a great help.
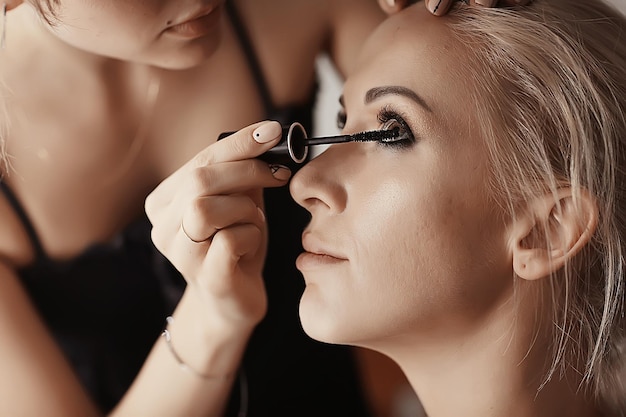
x: 28, y: 34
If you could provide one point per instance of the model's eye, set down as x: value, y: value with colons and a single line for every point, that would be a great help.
x: 391, y: 120
x: 342, y: 117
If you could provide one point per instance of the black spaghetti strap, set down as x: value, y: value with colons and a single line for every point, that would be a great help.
x: 21, y: 213
x: 248, y: 50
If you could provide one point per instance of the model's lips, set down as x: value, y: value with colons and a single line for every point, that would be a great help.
x: 317, y: 253
x: 200, y: 24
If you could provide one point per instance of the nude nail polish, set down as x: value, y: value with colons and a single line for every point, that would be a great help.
x: 280, y: 172
x: 437, y: 7
x: 267, y: 132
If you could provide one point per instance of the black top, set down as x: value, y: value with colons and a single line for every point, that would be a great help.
x: 106, y: 308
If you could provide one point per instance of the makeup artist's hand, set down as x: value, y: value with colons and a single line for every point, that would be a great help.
x: 208, y: 220
x: 441, y: 7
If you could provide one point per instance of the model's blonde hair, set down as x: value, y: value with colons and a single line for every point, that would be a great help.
x: 47, y: 9
x: 551, y: 101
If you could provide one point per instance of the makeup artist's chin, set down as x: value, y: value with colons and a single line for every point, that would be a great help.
x: 193, y: 42
x: 202, y: 25
x: 189, y: 57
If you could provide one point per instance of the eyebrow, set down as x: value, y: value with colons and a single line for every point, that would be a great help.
x: 378, y: 92
x: 396, y: 90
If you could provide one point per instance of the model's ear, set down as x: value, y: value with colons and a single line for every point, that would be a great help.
x: 394, y: 6
x: 551, y: 230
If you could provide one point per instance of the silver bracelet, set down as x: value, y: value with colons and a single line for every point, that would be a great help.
x: 168, y: 341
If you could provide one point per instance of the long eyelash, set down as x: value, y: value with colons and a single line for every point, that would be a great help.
x: 385, y: 115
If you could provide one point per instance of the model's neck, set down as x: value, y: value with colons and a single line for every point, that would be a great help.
x: 492, y: 384
x: 486, y: 372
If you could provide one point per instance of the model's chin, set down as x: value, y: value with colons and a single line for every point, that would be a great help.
x: 314, y: 328
x: 319, y: 320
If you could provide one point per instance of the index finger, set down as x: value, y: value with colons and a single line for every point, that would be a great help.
x: 247, y: 143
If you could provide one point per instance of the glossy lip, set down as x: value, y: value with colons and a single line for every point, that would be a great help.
x: 198, y: 24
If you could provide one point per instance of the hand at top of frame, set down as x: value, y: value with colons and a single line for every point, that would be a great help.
x: 441, y: 7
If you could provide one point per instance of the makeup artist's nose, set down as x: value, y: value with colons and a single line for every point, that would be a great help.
x: 318, y: 184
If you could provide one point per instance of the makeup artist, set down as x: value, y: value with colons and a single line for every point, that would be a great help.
x: 103, y: 100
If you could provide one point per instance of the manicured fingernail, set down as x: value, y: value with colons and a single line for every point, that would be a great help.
x: 267, y: 132
x: 391, y: 3
x: 437, y: 6
x: 280, y: 172
x: 486, y: 3
x: 261, y: 214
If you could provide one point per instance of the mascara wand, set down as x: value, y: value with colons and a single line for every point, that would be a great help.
x: 294, y: 144
x: 369, y: 136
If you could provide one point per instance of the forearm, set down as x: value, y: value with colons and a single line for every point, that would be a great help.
x: 225, y: 295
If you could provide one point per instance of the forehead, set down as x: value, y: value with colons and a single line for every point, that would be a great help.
x: 417, y: 50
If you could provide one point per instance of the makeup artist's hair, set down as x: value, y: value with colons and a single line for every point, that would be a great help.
x: 551, y: 101
x: 46, y: 9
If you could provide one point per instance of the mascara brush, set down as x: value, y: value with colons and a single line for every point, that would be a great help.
x: 370, y: 136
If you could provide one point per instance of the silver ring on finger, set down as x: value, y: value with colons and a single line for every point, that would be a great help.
x: 182, y: 227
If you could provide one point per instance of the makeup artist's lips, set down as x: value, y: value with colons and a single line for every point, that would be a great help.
x: 315, y: 255
x: 199, y: 25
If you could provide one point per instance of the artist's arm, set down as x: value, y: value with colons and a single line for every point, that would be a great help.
x: 223, y: 301
x: 36, y: 380
x: 208, y: 221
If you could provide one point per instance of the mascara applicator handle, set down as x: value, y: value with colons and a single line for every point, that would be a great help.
x: 291, y: 148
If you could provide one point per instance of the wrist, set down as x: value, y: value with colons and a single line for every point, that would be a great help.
x: 167, y: 336
x: 206, y: 345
